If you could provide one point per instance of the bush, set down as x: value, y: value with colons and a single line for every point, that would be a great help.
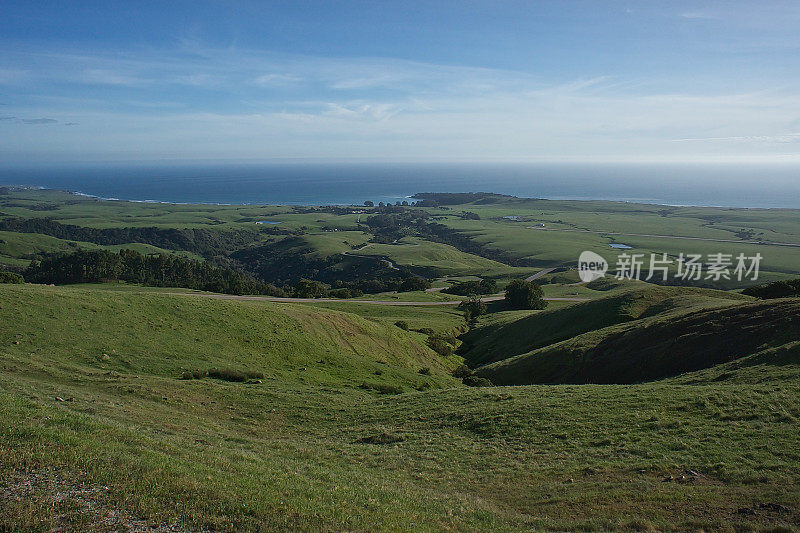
x: 440, y: 346
x: 425, y: 371
x: 193, y: 374
x: 462, y: 371
x: 402, y: 324
x: 475, y: 381
x: 11, y: 277
x: 229, y: 374
x: 521, y: 294
x: 340, y: 293
x: 426, y: 331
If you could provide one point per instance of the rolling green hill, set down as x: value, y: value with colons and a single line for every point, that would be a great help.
x: 97, y: 431
x: 666, y: 344
x: 626, y: 302
x: 164, y: 335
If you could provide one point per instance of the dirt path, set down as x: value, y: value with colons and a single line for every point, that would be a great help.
x: 352, y: 301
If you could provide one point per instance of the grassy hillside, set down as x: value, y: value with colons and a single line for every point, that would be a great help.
x: 164, y: 335
x: 95, y: 443
x: 664, y: 345
x: 497, y: 340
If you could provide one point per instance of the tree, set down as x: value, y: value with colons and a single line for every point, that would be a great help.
x: 473, y: 308
x: 414, y: 283
x: 369, y: 203
x: 307, y: 288
x: 521, y: 294
x: 465, y: 288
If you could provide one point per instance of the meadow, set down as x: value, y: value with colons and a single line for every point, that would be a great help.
x: 628, y: 407
x: 93, y: 443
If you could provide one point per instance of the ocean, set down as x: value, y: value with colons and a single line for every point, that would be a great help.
x: 754, y: 185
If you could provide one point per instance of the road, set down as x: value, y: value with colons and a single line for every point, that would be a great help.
x: 374, y: 302
x: 539, y: 274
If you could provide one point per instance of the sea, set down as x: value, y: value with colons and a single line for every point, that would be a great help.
x: 755, y: 185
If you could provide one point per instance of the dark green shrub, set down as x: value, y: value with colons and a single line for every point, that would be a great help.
x: 440, y: 346
x: 11, y: 277
x: 475, y: 381
x: 402, y: 324
x: 462, y: 371
x: 193, y: 374
x: 340, y: 293
x: 425, y: 371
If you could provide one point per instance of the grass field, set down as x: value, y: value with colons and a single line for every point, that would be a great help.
x: 310, y: 448
x: 329, y: 416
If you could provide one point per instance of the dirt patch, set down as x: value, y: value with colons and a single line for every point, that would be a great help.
x: 61, y: 502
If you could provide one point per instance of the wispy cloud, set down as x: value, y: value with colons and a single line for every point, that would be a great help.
x: 785, y: 138
x: 39, y: 121
x: 197, y: 101
x: 697, y: 15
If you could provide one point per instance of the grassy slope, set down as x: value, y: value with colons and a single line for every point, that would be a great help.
x: 436, y: 259
x: 17, y: 248
x: 496, y: 339
x: 286, y: 454
x: 164, y: 335
x: 662, y: 345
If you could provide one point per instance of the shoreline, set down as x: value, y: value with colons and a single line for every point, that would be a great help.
x: 408, y: 196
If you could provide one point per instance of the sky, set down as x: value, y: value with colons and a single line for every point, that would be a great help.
x: 442, y: 80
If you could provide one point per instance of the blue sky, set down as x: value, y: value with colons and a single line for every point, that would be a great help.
x: 433, y: 80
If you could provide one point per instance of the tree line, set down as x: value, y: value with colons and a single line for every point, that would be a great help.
x: 197, y: 240
x: 95, y: 266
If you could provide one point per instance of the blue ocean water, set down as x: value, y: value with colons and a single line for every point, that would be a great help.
x: 735, y: 185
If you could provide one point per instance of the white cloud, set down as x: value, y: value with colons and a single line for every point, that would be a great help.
x: 160, y: 103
